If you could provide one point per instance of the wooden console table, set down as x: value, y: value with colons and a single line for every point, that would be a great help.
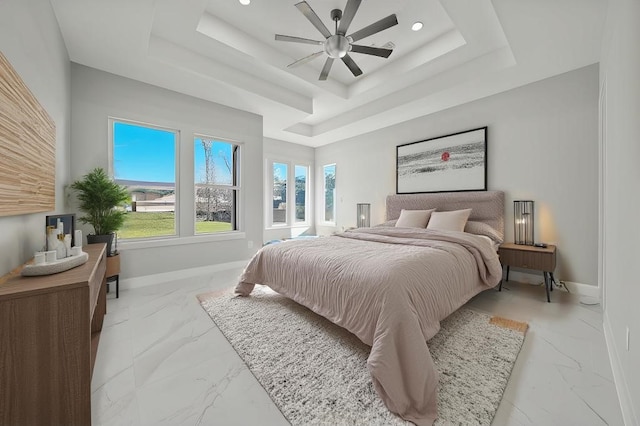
x: 49, y: 331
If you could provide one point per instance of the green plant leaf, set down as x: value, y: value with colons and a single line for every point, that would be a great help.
x: 102, y: 201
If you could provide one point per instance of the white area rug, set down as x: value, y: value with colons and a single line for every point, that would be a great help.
x: 316, y: 372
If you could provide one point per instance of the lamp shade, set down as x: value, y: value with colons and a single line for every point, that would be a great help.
x: 523, y: 222
x: 364, y: 215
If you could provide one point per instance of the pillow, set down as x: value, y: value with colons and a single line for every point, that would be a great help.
x: 449, y: 221
x: 481, y: 228
x: 387, y: 223
x: 414, y: 218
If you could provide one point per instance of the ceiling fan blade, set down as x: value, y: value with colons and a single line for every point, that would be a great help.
x: 355, y: 70
x: 293, y: 39
x: 305, y: 59
x: 306, y: 10
x: 326, y: 69
x: 347, y: 16
x: 376, y: 27
x: 368, y: 50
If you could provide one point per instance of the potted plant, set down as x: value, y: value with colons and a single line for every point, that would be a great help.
x: 101, y: 201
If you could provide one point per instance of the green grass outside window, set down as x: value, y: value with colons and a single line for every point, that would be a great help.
x: 157, y: 224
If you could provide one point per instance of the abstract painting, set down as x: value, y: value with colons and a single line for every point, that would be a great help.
x: 456, y: 162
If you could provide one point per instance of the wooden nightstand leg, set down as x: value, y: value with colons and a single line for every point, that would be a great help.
x: 117, y: 286
x: 547, y: 284
x: 507, y: 273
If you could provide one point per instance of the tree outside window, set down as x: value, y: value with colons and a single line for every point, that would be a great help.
x: 329, y: 193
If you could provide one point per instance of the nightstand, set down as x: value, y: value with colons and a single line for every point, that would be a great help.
x: 530, y: 257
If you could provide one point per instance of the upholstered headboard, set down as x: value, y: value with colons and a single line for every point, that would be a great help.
x: 486, y: 206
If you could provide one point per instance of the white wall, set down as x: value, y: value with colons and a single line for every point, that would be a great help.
x: 542, y: 145
x: 97, y: 95
x: 619, y: 75
x: 277, y: 150
x: 31, y: 41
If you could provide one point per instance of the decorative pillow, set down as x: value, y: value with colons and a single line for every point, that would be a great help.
x: 481, y: 228
x: 387, y: 223
x: 449, y: 221
x: 414, y: 218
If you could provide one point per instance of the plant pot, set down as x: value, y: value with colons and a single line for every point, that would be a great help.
x: 93, y: 239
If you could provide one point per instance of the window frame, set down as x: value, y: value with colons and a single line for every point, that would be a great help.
x: 291, y: 194
x: 236, y: 186
x: 324, y: 195
x: 111, y: 170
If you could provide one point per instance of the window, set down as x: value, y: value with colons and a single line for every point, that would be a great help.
x: 302, y: 178
x: 216, y: 185
x: 280, y: 174
x: 144, y: 160
x: 287, y: 204
x: 329, y: 173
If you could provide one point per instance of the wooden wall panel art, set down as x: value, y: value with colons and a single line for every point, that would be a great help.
x: 27, y: 148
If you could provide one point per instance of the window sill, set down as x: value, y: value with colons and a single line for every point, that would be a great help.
x: 297, y: 225
x: 178, y: 241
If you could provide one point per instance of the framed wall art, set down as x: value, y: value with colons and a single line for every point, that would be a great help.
x: 456, y: 162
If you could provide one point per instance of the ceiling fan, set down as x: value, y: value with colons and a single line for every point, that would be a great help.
x: 338, y: 45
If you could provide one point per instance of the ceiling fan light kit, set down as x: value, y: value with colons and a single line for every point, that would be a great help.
x: 339, y: 44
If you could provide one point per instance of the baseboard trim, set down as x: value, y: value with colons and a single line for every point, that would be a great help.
x: 575, y: 288
x: 624, y: 396
x: 147, y: 280
x: 583, y: 289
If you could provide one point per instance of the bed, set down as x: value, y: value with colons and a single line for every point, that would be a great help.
x: 391, y: 287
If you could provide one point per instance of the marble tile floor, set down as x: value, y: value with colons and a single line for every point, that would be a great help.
x: 162, y: 361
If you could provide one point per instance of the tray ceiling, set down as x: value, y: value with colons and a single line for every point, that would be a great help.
x: 222, y: 51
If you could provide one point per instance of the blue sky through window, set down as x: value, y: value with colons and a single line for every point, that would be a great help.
x: 280, y: 171
x: 143, y: 153
x: 222, y: 154
x: 148, y: 154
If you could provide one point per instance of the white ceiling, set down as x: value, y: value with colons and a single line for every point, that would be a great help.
x: 222, y: 51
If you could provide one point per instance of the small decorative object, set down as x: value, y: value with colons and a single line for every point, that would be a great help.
x: 65, y: 223
x: 523, y: 222
x: 52, y: 237
x: 77, y: 238
x: 364, y: 215
x: 102, y: 201
x: 39, y: 258
x: 50, y: 256
x: 456, y: 162
x: 54, y: 266
x: 61, y: 251
x: 67, y: 244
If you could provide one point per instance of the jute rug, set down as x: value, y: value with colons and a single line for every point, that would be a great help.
x: 316, y: 373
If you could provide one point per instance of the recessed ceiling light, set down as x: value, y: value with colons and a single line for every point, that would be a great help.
x: 244, y: 2
x: 417, y: 26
